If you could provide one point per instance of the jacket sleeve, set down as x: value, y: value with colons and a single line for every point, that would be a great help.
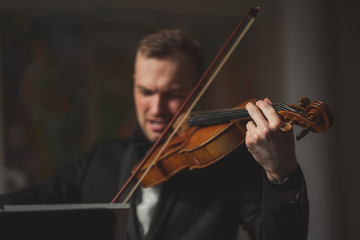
x: 61, y: 188
x: 87, y: 180
x: 278, y: 219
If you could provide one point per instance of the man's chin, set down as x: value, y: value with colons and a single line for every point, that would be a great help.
x: 153, y: 136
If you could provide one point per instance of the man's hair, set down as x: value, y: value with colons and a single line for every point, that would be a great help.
x: 166, y: 42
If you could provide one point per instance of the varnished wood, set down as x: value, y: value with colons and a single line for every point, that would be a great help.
x: 199, y: 147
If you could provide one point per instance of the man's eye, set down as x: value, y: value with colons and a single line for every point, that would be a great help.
x: 145, y: 92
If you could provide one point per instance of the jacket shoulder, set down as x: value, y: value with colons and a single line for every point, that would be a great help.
x: 107, y: 163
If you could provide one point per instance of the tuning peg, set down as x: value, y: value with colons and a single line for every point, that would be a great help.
x: 303, y: 133
x: 286, y: 127
x: 304, y: 102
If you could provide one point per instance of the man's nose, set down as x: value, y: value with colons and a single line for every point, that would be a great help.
x: 159, y: 105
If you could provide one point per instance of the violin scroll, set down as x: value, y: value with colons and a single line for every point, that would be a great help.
x: 311, y: 116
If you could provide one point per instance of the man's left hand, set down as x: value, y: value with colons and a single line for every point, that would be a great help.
x: 272, y: 148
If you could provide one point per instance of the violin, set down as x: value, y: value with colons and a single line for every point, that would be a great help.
x: 196, y: 140
x: 207, y: 137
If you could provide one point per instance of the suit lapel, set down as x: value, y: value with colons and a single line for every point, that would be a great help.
x: 133, y: 225
x: 165, y: 204
x: 130, y: 157
x: 163, y: 209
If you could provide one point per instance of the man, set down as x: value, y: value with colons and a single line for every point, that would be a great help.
x: 259, y: 185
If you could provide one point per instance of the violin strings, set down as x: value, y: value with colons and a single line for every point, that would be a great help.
x: 226, y: 115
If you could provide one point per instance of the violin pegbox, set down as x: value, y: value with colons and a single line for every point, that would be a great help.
x: 311, y: 116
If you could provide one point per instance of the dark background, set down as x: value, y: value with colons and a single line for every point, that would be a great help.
x: 66, y: 69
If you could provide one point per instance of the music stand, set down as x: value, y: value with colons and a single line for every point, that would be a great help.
x: 100, y: 221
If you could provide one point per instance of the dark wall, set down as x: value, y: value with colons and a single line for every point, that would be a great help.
x: 67, y: 66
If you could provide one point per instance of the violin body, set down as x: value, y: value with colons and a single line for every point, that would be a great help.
x: 199, y: 147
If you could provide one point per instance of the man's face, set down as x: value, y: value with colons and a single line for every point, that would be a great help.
x: 160, y: 87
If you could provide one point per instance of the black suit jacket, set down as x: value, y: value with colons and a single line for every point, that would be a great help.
x: 206, y: 204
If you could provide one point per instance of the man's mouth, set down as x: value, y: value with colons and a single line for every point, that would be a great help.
x: 157, y: 125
